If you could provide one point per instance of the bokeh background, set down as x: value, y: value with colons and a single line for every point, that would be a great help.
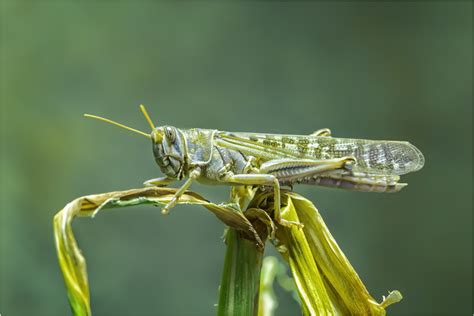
x: 371, y: 70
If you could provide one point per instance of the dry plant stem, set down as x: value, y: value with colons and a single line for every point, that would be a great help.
x: 240, y: 284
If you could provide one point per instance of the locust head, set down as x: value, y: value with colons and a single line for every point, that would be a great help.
x: 168, y: 149
x: 167, y: 142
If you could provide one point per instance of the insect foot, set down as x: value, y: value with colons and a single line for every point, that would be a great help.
x: 289, y: 224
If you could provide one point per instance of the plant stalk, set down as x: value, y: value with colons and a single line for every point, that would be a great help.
x: 240, y: 283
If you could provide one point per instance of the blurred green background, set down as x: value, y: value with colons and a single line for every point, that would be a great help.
x: 366, y: 70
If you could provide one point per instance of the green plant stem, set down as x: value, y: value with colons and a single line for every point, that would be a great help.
x: 239, y: 290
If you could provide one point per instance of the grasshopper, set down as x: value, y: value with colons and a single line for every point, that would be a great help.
x: 272, y: 160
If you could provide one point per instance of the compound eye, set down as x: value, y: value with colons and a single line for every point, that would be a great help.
x: 170, y: 134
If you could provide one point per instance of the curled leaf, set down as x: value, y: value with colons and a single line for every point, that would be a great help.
x: 73, y: 264
x: 318, y: 264
x: 304, y: 268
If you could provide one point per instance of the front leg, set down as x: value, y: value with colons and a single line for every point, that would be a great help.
x: 192, y: 176
x: 264, y: 179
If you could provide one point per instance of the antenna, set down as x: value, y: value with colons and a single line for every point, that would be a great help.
x: 145, y: 113
x: 117, y: 124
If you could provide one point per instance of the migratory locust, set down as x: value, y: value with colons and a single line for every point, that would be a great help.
x: 274, y: 160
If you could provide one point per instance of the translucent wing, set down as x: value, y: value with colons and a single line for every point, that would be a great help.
x: 373, y: 156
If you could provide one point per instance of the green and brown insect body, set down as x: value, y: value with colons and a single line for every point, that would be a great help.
x: 219, y: 157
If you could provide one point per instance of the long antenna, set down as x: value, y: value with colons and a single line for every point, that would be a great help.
x: 142, y: 108
x: 117, y: 124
